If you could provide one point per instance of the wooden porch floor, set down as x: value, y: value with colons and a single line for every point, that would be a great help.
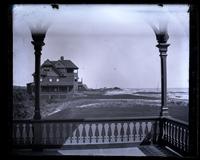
x: 125, y: 150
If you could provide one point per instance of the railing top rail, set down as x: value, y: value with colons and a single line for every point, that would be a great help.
x: 176, y: 121
x: 107, y: 119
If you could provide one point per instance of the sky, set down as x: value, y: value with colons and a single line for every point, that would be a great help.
x: 113, y: 45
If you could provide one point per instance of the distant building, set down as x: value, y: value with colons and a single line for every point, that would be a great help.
x: 81, y: 86
x: 57, y: 79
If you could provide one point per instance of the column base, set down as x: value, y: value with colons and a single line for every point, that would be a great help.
x: 37, y: 115
x: 164, y: 112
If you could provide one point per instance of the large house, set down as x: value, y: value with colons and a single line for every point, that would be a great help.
x: 57, y: 79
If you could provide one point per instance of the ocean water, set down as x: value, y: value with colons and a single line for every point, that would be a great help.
x: 180, y: 94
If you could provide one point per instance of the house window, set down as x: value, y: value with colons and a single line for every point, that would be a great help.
x: 57, y: 80
x: 46, y: 69
x: 50, y: 80
x: 40, y: 79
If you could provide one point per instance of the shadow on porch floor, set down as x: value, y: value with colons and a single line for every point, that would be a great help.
x: 147, y: 150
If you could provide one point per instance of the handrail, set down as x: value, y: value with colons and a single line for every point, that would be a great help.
x: 176, y: 120
x: 87, y: 119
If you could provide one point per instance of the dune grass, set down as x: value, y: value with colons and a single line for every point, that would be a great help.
x: 95, y: 103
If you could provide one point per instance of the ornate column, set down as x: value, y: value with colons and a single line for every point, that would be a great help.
x: 163, y: 57
x: 37, y: 42
x: 162, y: 37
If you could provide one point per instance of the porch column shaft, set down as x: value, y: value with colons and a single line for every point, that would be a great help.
x: 37, y: 85
x: 163, y: 57
x: 37, y: 43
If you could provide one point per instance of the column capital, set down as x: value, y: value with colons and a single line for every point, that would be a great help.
x: 38, y: 46
x: 163, y: 48
x: 38, y: 41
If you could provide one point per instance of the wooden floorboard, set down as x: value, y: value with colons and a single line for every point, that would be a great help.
x: 148, y: 150
x: 156, y: 150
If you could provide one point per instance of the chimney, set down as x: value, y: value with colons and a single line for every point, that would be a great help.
x: 61, y: 58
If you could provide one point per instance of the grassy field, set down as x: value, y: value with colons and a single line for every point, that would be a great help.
x: 94, y: 103
x: 91, y: 104
x: 91, y: 108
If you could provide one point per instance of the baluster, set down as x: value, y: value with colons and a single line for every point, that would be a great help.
x: 27, y: 130
x: 115, y: 132
x: 67, y: 132
x: 171, y: 133
x: 103, y: 132
x: 90, y: 132
x: 146, y: 131
x: 186, y: 140
x: 21, y: 139
x: 64, y: 134
x: 109, y: 132
x: 179, y: 137
x: 170, y: 130
x: 122, y: 131
x: 60, y: 133
x: 31, y: 133
x: 43, y: 131
x: 181, y: 130
x: 74, y: 130
x: 54, y: 133
x: 15, y: 133
x: 156, y: 131
x: 51, y: 134
x: 134, y: 131
x: 24, y: 134
x: 140, y: 130
x: 71, y: 132
x: 167, y: 132
x: 84, y: 133
x: 182, y: 138
x: 128, y: 131
x: 77, y: 135
x: 96, y: 132
x: 48, y: 141
x: 163, y: 130
x: 175, y: 135
x: 172, y: 136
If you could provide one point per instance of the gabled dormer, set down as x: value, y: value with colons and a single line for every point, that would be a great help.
x: 47, y: 63
x: 59, y: 64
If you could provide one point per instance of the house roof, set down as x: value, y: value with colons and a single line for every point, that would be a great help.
x: 67, y: 63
